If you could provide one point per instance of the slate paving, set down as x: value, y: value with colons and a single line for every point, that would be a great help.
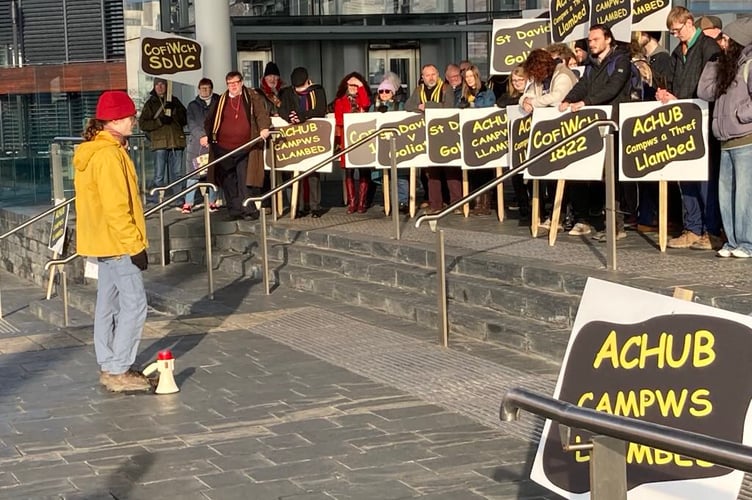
x: 260, y: 414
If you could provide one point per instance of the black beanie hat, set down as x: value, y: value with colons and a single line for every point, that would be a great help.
x: 581, y: 44
x: 271, y: 69
x: 655, y: 35
x: 299, y: 76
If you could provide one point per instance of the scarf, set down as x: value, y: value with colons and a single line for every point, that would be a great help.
x: 436, y: 94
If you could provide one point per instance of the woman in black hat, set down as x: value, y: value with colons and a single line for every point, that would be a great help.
x: 269, y: 89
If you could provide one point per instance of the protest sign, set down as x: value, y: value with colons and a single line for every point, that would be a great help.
x: 581, y: 158
x: 302, y: 145
x: 484, y: 133
x: 519, y: 135
x: 570, y: 20
x: 171, y: 57
x: 410, y: 143
x: 663, y: 142
x: 356, y: 127
x: 650, y: 15
x: 58, y: 230
x: 514, y: 39
x: 443, y: 136
x: 616, y: 14
x: 662, y: 360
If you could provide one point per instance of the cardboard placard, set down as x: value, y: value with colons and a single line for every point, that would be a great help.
x: 663, y: 142
x: 616, y: 14
x: 170, y: 56
x: 357, y: 126
x: 302, y: 145
x: 662, y: 360
x: 581, y: 158
x: 443, y: 135
x: 519, y: 135
x: 484, y: 133
x: 411, y: 142
x: 650, y: 15
x: 59, y: 228
x: 514, y: 39
x: 570, y: 20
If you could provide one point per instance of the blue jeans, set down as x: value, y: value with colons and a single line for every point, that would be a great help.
x: 190, y: 197
x: 403, y: 190
x: 119, y: 315
x: 168, y: 167
x: 700, y: 203
x: 734, y: 195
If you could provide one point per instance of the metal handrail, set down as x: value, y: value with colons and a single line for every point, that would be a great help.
x: 37, y: 218
x: 691, y: 444
x: 441, y: 293
x: 258, y: 200
x: 202, y: 169
x: 160, y: 206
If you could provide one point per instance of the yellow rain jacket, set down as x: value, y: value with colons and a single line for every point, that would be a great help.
x: 109, y: 214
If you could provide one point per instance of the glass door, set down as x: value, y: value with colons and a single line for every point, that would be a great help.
x: 402, y: 62
x: 251, y: 64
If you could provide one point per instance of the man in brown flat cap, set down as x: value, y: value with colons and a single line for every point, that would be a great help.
x: 711, y: 26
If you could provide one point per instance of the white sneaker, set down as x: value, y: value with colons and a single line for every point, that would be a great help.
x: 724, y: 252
x: 740, y: 253
x: 581, y: 229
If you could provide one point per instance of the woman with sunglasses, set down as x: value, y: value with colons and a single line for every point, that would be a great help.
x: 387, y: 100
x: 353, y: 96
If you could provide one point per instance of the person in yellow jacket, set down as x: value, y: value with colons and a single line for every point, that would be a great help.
x: 110, y: 226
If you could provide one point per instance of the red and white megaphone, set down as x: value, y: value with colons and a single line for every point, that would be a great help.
x: 165, y: 363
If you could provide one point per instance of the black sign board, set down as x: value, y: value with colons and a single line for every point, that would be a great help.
x: 514, y: 39
x: 665, y: 134
x: 167, y: 56
x: 547, y: 133
x: 568, y: 17
x: 485, y: 138
x: 411, y: 141
x: 444, y: 139
x: 301, y: 142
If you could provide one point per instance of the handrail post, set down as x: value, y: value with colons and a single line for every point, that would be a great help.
x: 608, y: 469
x: 393, y: 187
x: 264, y: 249
x: 208, y: 243
x: 611, y: 228
x: 441, y: 289
x: 162, y: 256
x: 273, y: 177
x: 66, y: 317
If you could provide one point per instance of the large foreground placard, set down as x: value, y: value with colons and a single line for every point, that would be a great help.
x: 663, y: 142
x: 648, y: 356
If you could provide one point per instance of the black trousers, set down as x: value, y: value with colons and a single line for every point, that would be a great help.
x: 232, y: 172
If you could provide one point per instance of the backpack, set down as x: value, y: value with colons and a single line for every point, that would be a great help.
x: 635, y: 85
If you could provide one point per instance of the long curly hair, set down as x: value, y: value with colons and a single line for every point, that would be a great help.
x: 93, y: 127
x: 728, y: 65
x: 342, y: 88
x: 539, y: 65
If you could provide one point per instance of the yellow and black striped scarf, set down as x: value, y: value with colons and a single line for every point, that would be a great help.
x: 436, y: 93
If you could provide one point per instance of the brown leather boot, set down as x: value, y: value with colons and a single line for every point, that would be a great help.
x: 362, y: 195
x: 350, y: 188
x: 482, y: 205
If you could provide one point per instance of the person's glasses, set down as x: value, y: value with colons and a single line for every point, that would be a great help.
x: 385, y: 91
x: 235, y: 82
x: 676, y: 31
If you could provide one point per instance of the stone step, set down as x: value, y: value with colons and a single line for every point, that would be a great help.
x: 473, y: 321
x: 518, y: 299
x: 53, y: 312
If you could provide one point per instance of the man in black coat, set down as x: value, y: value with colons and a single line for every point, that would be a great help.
x: 702, y: 221
x: 606, y: 82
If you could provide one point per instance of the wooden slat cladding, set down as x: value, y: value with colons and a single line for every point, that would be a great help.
x: 75, y: 77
